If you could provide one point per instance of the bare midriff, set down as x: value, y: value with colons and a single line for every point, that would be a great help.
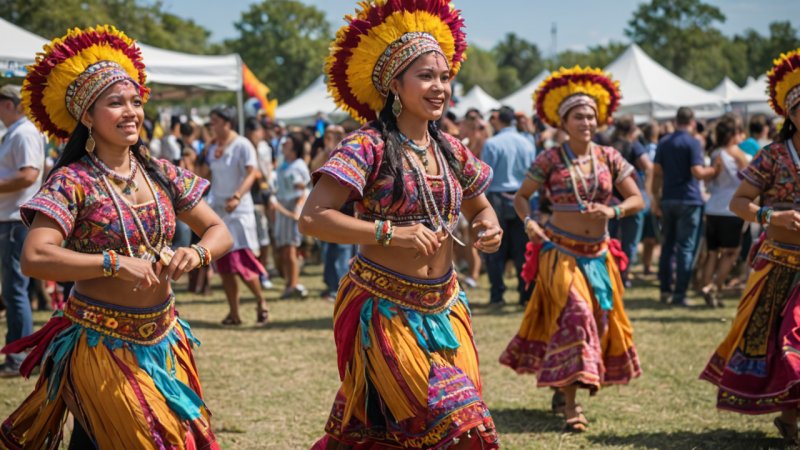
x: 783, y: 235
x: 409, y: 262
x: 121, y: 293
x: 579, y: 224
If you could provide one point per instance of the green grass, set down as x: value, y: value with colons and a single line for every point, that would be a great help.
x: 271, y: 388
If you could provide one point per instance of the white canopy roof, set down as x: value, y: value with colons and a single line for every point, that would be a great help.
x: 753, y: 98
x: 649, y: 89
x: 727, y: 89
x: 306, y: 105
x: 476, y: 98
x: 18, y: 48
x: 522, y: 99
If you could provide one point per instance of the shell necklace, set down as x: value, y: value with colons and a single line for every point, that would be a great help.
x: 575, y: 171
x: 146, y: 250
x: 428, y: 199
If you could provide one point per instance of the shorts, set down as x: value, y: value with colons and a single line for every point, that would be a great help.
x: 262, y: 226
x: 723, y: 232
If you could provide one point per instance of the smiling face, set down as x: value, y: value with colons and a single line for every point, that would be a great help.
x: 581, y: 123
x: 424, y: 88
x: 116, y: 117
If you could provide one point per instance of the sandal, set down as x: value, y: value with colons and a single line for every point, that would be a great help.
x: 262, y: 317
x: 228, y: 320
x: 789, y: 436
x: 577, y: 424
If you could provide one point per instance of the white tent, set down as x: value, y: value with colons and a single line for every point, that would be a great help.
x: 522, y: 99
x: 305, y: 106
x: 753, y: 98
x: 18, y: 48
x: 476, y: 98
x: 649, y: 89
x: 727, y: 89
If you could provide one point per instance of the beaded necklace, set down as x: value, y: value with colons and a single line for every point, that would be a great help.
x: 420, y: 150
x: 428, y: 199
x: 567, y: 154
x: 125, y: 182
x: 146, y: 250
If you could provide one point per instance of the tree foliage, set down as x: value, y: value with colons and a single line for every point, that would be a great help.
x: 146, y: 22
x: 284, y: 42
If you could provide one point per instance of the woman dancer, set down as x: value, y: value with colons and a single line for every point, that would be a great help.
x: 118, y: 359
x: 407, y: 359
x: 757, y: 367
x: 575, y: 333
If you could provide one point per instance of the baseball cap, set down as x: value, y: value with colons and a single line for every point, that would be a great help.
x: 11, y: 92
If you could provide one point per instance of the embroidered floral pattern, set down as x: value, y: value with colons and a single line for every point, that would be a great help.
x: 356, y: 163
x: 76, y: 199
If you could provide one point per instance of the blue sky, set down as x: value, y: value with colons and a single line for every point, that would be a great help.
x: 579, y: 22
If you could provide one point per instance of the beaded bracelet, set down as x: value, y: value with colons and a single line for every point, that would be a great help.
x: 204, y: 254
x: 110, y: 263
x: 768, y: 217
x: 387, y: 236
x: 617, y: 212
x: 760, y: 215
x: 378, y: 230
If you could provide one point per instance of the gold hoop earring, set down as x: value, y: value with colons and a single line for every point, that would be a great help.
x: 397, y: 106
x: 90, y: 143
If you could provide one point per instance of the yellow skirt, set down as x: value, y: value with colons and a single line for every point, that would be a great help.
x: 407, y: 361
x: 575, y: 329
x: 127, y: 375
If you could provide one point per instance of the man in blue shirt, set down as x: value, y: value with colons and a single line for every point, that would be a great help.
x: 509, y: 154
x: 677, y: 170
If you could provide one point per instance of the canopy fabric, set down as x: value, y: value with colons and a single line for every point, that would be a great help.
x: 476, y: 98
x: 649, y: 89
x: 727, y: 89
x: 18, y: 48
x: 753, y: 98
x: 305, y: 107
x: 522, y: 99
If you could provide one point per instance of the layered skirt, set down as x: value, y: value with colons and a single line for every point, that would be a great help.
x: 127, y: 375
x: 575, y: 329
x: 407, y: 362
x: 757, y: 366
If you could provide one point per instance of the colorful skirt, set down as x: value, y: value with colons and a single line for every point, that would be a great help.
x: 757, y: 366
x: 240, y: 262
x: 127, y: 375
x: 575, y: 329
x: 408, y: 364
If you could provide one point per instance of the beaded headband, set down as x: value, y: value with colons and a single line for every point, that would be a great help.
x: 98, y: 77
x: 573, y: 101
x: 399, y: 55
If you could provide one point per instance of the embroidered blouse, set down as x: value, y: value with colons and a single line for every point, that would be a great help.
x: 774, y: 171
x: 356, y: 163
x: 75, y: 197
x: 550, y: 170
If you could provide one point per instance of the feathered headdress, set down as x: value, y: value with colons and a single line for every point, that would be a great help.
x: 72, y: 72
x: 381, y: 40
x: 567, y: 88
x: 784, y: 82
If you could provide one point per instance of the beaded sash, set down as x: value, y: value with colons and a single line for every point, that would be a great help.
x: 421, y: 295
x: 576, y: 245
x: 143, y: 326
x: 782, y: 254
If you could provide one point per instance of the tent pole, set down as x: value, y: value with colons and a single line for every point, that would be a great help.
x: 240, y: 96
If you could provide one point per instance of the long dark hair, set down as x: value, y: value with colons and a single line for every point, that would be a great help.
x: 76, y: 149
x: 788, y: 129
x: 392, y: 165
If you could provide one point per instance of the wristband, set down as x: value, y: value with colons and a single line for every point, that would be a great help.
x: 617, y: 212
x: 768, y: 217
x: 236, y: 196
x: 110, y: 263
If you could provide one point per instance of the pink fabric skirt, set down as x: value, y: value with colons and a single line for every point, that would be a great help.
x: 241, y: 262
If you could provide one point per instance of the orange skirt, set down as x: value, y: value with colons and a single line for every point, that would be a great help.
x: 127, y: 375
